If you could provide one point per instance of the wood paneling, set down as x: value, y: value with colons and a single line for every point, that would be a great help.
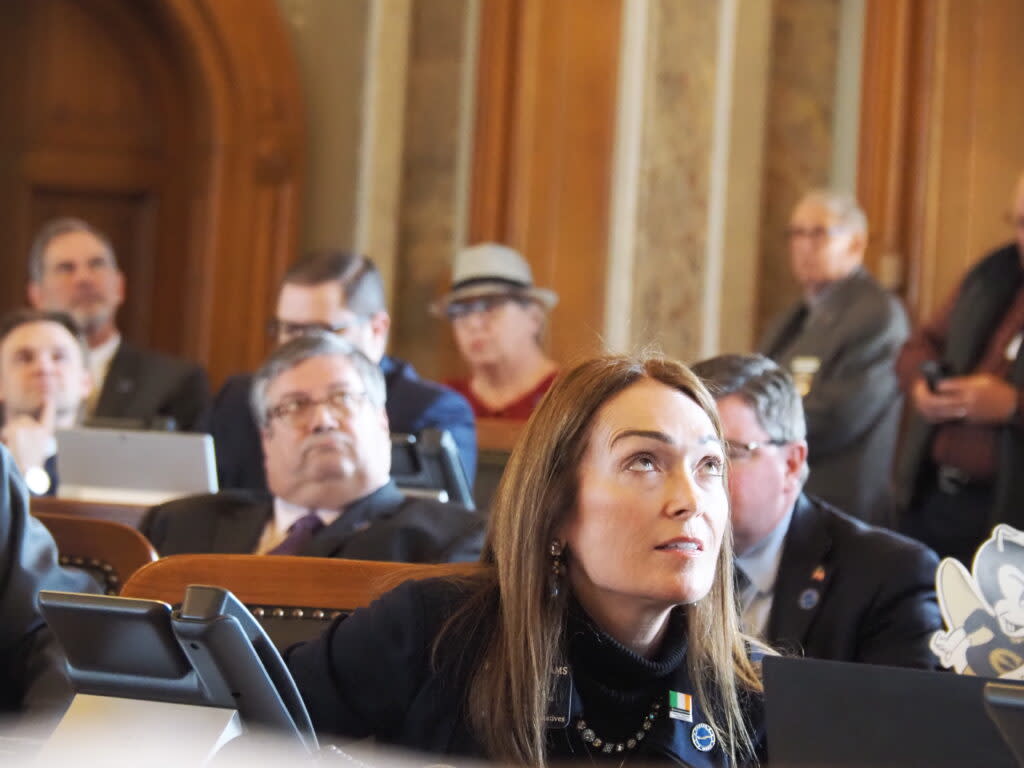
x: 940, y: 135
x: 546, y: 100
x: 176, y: 126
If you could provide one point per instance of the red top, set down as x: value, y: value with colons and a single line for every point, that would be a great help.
x: 517, y: 409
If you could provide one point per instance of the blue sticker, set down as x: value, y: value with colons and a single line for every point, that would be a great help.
x: 809, y: 598
x: 703, y: 737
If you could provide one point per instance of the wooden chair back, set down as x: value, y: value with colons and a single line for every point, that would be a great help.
x: 109, y: 551
x: 126, y: 514
x: 293, y: 597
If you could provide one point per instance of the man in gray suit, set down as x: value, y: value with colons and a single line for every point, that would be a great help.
x: 319, y: 403
x: 840, y: 342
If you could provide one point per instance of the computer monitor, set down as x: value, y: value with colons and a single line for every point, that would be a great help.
x: 844, y: 715
x: 211, y: 652
x: 133, y: 466
x: 430, y: 462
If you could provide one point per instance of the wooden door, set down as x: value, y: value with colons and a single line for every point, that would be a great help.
x: 941, y: 127
x: 177, y: 127
x: 542, y: 157
x: 94, y: 124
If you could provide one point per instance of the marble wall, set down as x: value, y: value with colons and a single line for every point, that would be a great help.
x: 669, y: 267
x: 440, y: 47
x: 798, y: 133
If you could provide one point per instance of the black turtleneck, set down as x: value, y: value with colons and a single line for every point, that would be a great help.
x: 616, y: 686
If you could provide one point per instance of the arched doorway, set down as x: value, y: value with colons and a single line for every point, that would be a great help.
x: 176, y: 126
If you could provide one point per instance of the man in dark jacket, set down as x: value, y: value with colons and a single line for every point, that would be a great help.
x: 811, y: 579
x: 72, y: 268
x: 839, y: 343
x: 339, y: 293
x: 32, y: 676
x: 319, y: 403
x: 959, y: 472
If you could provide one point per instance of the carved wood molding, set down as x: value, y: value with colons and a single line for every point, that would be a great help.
x: 245, y: 172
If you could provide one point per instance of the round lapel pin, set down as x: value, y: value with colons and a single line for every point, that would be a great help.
x: 809, y: 598
x: 703, y: 737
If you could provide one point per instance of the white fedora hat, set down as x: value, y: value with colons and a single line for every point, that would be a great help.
x: 490, y: 269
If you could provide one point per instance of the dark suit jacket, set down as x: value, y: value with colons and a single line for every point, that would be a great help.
x: 847, y: 591
x: 382, y: 526
x: 853, y: 406
x: 31, y: 664
x: 142, y: 384
x: 413, y: 404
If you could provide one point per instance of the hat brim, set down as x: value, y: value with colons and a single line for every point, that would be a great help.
x: 543, y: 296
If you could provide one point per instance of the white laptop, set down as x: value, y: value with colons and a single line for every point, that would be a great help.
x: 133, y: 466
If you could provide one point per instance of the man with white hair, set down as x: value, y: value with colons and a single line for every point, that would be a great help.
x: 810, y: 579
x: 840, y: 342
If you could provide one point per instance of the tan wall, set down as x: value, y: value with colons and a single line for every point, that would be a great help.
x: 330, y: 42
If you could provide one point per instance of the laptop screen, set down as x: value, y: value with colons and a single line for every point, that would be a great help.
x: 829, y: 713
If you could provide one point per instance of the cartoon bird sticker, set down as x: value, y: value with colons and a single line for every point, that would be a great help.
x: 984, y: 609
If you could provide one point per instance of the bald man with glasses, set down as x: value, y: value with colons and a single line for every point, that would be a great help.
x: 839, y: 343
x: 319, y: 403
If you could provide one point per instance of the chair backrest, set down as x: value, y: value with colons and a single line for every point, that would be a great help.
x: 293, y: 597
x: 430, y: 462
x: 495, y: 439
x: 126, y: 514
x: 110, y: 551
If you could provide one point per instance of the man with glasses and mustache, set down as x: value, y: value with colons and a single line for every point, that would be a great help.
x: 340, y: 293
x: 319, y: 403
x: 839, y: 342
x: 959, y: 472
x: 810, y: 579
x: 72, y: 269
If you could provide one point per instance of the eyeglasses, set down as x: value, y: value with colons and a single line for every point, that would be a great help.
x: 740, y: 451
x: 298, y: 410
x: 814, y: 234
x: 483, y: 304
x: 282, y: 329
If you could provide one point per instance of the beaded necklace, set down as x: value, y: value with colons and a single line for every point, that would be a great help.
x: 608, y: 747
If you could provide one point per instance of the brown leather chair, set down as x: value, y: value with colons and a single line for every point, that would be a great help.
x: 109, y: 551
x: 126, y: 514
x: 293, y: 597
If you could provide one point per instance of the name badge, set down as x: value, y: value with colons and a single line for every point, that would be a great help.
x: 560, y: 704
x: 1014, y: 347
x: 804, y: 369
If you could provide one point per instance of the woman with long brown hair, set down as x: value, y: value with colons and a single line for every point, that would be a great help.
x: 603, y: 624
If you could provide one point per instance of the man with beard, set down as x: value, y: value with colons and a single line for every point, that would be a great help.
x: 319, y: 403
x: 43, y: 382
x: 72, y: 268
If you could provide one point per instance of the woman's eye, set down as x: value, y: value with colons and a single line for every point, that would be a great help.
x: 713, y: 465
x: 642, y: 463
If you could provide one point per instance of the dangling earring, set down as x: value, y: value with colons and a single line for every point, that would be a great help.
x: 556, y: 551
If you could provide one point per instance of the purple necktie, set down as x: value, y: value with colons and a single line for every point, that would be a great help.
x: 300, y: 533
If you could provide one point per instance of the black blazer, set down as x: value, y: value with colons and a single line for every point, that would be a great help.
x: 847, y: 591
x: 375, y: 673
x: 853, y: 406
x: 31, y: 664
x: 142, y: 384
x: 382, y: 526
x: 413, y: 404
